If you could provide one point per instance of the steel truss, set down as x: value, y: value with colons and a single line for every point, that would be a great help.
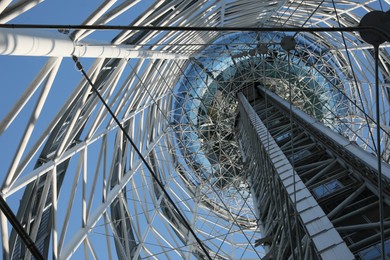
x: 78, y: 187
x: 312, y: 186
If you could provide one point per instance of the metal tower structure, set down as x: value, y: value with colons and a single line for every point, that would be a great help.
x: 316, y: 192
x: 146, y: 139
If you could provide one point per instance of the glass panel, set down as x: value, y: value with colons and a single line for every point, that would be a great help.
x: 333, y: 185
x: 300, y: 155
x: 370, y: 253
x: 282, y: 137
x: 327, y: 188
x: 320, y: 191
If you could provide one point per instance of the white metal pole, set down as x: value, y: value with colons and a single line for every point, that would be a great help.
x: 28, y: 42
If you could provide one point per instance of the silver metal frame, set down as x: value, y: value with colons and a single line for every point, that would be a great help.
x: 74, y: 181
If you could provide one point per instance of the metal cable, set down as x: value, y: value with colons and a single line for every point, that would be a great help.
x: 354, y: 76
x: 245, y: 199
x: 160, y: 184
x: 378, y: 139
x: 195, y: 28
x: 19, y: 229
x: 315, y: 10
x: 225, y: 206
x: 292, y: 155
x: 214, y: 191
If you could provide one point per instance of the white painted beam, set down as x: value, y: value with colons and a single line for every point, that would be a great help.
x: 26, y: 42
x: 100, y: 210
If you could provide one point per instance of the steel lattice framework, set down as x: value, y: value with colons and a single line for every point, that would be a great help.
x: 74, y: 180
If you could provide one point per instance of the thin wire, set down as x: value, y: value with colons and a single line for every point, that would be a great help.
x: 293, y: 162
x: 278, y: 18
x: 279, y: 202
x: 244, y: 199
x: 170, y: 249
x: 24, y: 236
x: 378, y: 139
x: 286, y: 194
x: 293, y: 12
x: 266, y: 111
x: 230, y: 228
x: 80, y: 68
x: 380, y: 3
x: 229, y: 212
x: 201, y: 195
x: 354, y: 76
x: 189, y: 28
x: 315, y: 10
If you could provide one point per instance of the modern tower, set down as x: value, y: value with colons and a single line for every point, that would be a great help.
x: 195, y: 129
